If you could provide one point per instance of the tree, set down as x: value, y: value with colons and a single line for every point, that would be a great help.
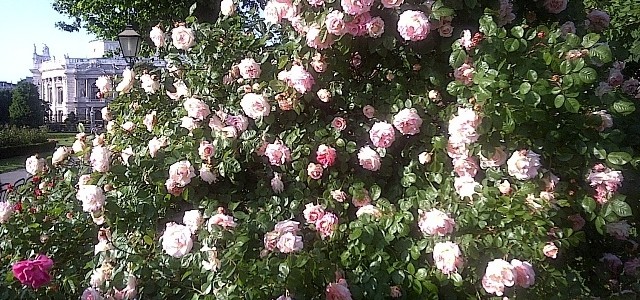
x: 5, y: 101
x: 26, y: 107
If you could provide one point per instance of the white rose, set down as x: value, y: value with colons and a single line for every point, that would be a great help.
x: 369, y: 210
x: 98, y: 277
x: 78, y: 146
x: 128, y: 126
x: 181, y: 90
x: 35, y: 165
x: 106, y: 114
x: 149, y: 84
x: 150, y: 120
x: 227, y: 8
x: 126, y: 84
x: 523, y: 164
x: 255, y: 106
x: 176, y: 240
x: 207, y: 175
x: 183, y: 37
x: 155, y: 144
x: 100, y: 159
x: 193, y: 219
x: 60, y: 155
x: 157, y: 36
x: 6, y: 210
x: 125, y: 154
x: 91, y: 196
x: 181, y: 172
x: 104, y: 84
x: 324, y: 95
x: 196, y: 108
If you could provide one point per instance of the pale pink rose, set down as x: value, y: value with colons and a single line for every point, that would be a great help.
x: 339, y: 123
x: 239, y: 122
x: 189, y: 124
x: 523, y: 164
x: 465, y: 42
x: 504, y: 187
x: 392, y: 3
x: 396, y: 292
x: 615, y: 77
x: 181, y: 90
x: 525, y: 276
x: 126, y: 154
x: 607, y: 120
x: 193, y: 219
x: 445, y: 29
x: 382, y: 134
x: 249, y: 68
x: 284, y: 297
x: 84, y: 179
x: 326, y: 155
x: 207, y: 175
x: 106, y: 113
x: 222, y: 220
x: 324, y: 95
x: 149, y: 83
x: 631, y: 267
x: 104, y: 84
x: 567, y: 27
x: 465, y: 166
x: 316, y: 2
x: 283, y: 227
x: 215, y: 123
x: 447, y: 257
x: 128, y: 126
x: 435, y: 222
x: 227, y: 8
x: 498, y: 159
x: 369, y: 158
x: 288, y: 243
x: 276, y: 183
x: 196, y: 108
x: 407, y: 121
x: 278, y: 153
x: 126, y: 84
x: 183, y: 38
x: 155, y: 144
x: 130, y: 291
x: 6, y: 210
x: 598, y: 20
x: 35, y: 165
x: 498, y: 275
x: 173, y: 188
x: 317, y: 40
x: 181, y: 172
x: 335, y: 23
x: 603, y: 88
x: 465, y: 186
x: 313, y: 212
x: 276, y: 10
x: 98, y: 140
x: 111, y: 127
x: 505, y: 13
x: 458, y: 149
x: 338, y: 291
x: 262, y: 147
x: 619, y: 230
x: 150, y: 120
x: 92, y: 197
x: 338, y: 195
x: 157, y: 36
x: 550, y: 250
x: 298, y: 78
x: 361, y: 198
x: 555, y: 6
x: 255, y: 106
x: 369, y: 111
x: 413, y: 25
x: 206, y: 150
x: 319, y: 66
x: 550, y: 181
x: 375, y: 27
x: 606, y: 182
x: 464, y: 74
x: 368, y: 210
x: 463, y: 127
x: 314, y: 171
x: 100, y: 159
x: 91, y: 294
x: 270, y: 240
x: 612, y: 262
x: 327, y: 225
x: 577, y: 221
x: 356, y: 7
x: 630, y: 86
x: 176, y: 240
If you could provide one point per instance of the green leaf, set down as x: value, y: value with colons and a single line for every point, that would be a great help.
x: 572, y: 105
x: 620, y: 208
x: 375, y: 192
x: 565, y: 67
x: 588, y: 204
x: 624, y: 107
x: 525, y: 87
x: 148, y: 240
x: 457, y: 58
x: 488, y: 26
x: 532, y: 75
x: 619, y: 158
x: 559, y: 101
x: 588, y: 75
x: 511, y: 45
x: 517, y: 31
x: 355, y: 234
x: 590, y: 39
x: 602, y: 52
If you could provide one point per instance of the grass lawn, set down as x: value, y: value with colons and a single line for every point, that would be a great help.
x: 15, y: 163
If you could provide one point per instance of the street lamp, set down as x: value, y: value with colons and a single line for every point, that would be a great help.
x: 129, y: 41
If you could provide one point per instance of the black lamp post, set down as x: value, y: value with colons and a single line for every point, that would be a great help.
x: 129, y: 41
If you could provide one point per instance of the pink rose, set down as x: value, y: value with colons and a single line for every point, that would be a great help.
x: 612, y: 262
x: 369, y: 111
x: 314, y: 171
x: 276, y: 10
x: 577, y: 221
x: 183, y: 38
x: 155, y: 144
x: 464, y: 74
x: 288, y: 243
x: 395, y: 291
x: 255, y: 106
x: 271, y: 240
x: 324, y: 95
x: 100, y: 159
x: 413, y: 25
x: 6, y: 210
x: 276, y: 183
x: 249, y: 68
x: 445, y: 29
x: 356, y: 7
x: 630, y: 86
x: 523, y: 164
x: 598, y: 20
x: 615, y: 77
x: 567, y: 27
x: 382, y: 134
x: 189, y: 124
x: 313, y: 212
x: 465, y: 42
x: 327, y: 225
x: 447, y: 257
x: 392, y: 3
x: 375, y: 27
x: 435, y: 222
x: 33, y: 272
x: 505, y: 187
x: 239, y: 122
x: 619, y: 230
x: 631, y: 267
x: 277, y: 153
x: 358, y: 24
x: 173, y: 188
x: 498, y: 275
x: 338, y: 291
x: 193, y: 219
x: 338, y: 195
x: 407, y: 121
x: 206, y: 150
x: 326, y: 155
x: 361, y: 198
x: 462, y: 128
x: 181, y: 172
x: 317, y: 40
x: 465, y: 166
x: 550, y: 250
x: 90, y: 294
x: 605, y: 181
x: 555, y: 6
x: 128, y: 126
x: 222, y: 220
x: 525, y: 276
x: 335, y: 23
x: 283, y: 227
x: 339, y: 123
x: 206, y: 174
x: 498, y: 159
x: 602, y: 89
x: 505, y: 13
x: 465, y: 186
x: 196, y: 108
x: 298, y: 78
x: 316, y: 2
x: 369, y: 158
x: 176, y: 240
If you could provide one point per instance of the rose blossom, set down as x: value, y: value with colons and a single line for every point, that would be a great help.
x: 176, y: 240
x: 464, y: 74
x: 313, y: 212
x: 505, y: 13
x: 6, y: 210
x: 555, y: 6
x: 288, y: 243
x: 130, y: 291
x: 499, y: 158
x: 550, y: 250
x: 335, y: 23
x: 612, y: 262
x: 104, y: 84
x: 227, y: 8
x: 369, y: 111
x: 504, y: 187
x: 278, y: 153
x: 35, y: 165
x: 91, y: 196
x: 298, y: 78
x: 498, y: 275
x: 126, y: 154
x: 630, y: 86
x: 523, y: 164
x: 222, y: 220
x: 631, y: 267
x: 607, y: 120
x: 327, y: 225
x: 615, y: 77
x: 445, y: 29
x: 276, y: 183
x: 447, y: 257
x: 577, y: 221
x: 356, y: 7
x: 206, y: 150
x: 155, y: 144
x: 183, y: 37
x: 106, y: 114
x: 462, y: 129
x: 369, y: 158
x: 324, y: 95
x: 181, y: 172
x: 375, y: 27
x: 424, y: 157
x: 239, y: 122
x: 316, y: 40
x: 157, y: 36
x: 525, y: 276
x: 33, y: 272
x: 126, y: 84
x: 465, y: 186
x: 249, y: 68
x: 392, y: 3
x: 605, y: 180
x: 361, y: 198
x: 339, y: 123
x: 338, y: 195
x: 407, y: 121
x: 567, y: 27
x: 255, y: 105
x: 150, y: 120
x: 435, y: 222
x: 276, y: 10
x: 283, y: 227
x: 193, y: 219
x: 189, y: 124
x: 100, y: 159
x: 382, y: 134
x: 338, y: 291
x: 465, y: 166
x: 284, y: 297
x: 206, y: 174
x: 173, y: 188
x: 598, y: 20
x: 149, y: 83
x: 326, y: 155
x: 413, y: 25
x: 619, y: 230
x: 368, y: 210
x: 395, y: 291
x: 314, y: 171
x: 91, y: 294
x: 196, y: 108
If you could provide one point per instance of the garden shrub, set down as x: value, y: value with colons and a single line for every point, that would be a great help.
x: 18, y: 136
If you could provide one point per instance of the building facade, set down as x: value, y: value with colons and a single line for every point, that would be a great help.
x: 7, y: 85
x: 69, y: 84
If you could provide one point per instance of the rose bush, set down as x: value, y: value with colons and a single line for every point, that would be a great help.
x: 498, y: 174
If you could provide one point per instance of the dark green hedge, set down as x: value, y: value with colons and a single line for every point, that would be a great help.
x: 7, y: 152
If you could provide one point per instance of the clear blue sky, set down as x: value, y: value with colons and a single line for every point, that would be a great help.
x: 28, y: 22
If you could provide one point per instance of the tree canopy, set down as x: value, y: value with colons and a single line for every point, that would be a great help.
x: 26, y: 107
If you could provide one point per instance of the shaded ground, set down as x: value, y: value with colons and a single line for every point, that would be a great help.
x: 16, y: 163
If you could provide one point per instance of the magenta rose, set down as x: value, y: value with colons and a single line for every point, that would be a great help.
x: 382, y: 134
x: 33, y: 273
x: 326, y: 155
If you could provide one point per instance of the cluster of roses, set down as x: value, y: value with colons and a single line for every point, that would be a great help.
x: 500, y: 274
x: 462, y: 133
x: 629, y: 86
x: 284, y: 237
x: 605, y: 181
x: 324, y: 222
x: 446, y: 255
